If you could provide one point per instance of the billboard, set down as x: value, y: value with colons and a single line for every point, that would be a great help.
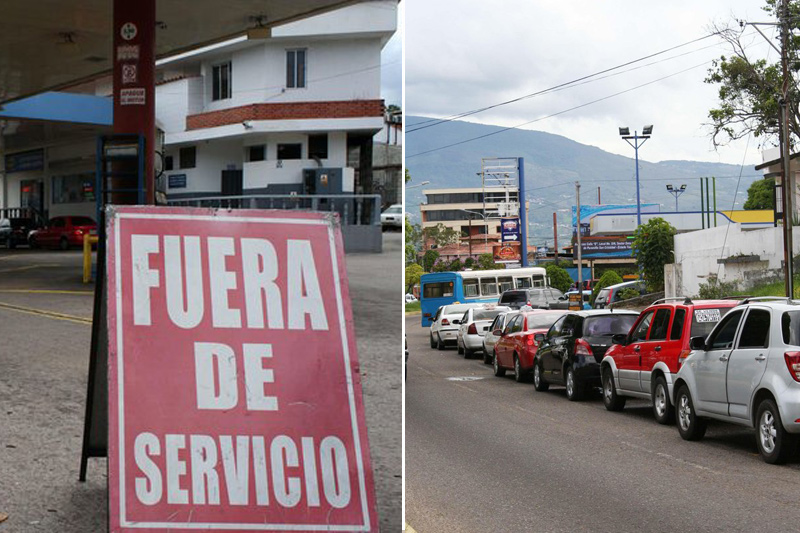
x: 506, y: 253
x: 510, y: 230
x: 605, y: 247
x: 234, y: 392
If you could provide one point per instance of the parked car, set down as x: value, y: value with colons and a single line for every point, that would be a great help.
x: 473, y: 327
x: 444, y: 328
x: 564, y: 304
x: 571, y: 351
x: 63, y: 232
x: 609, y: 295
x: 392, y: 217
x: 14, y: 231
x: 643, y: 363
x: 490, y: 338
x: 410, y: 298
x: 540, y: 297
x: 746, y: 372
x: 517, y: 346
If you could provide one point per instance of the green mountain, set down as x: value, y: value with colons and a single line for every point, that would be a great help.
x: 552, y: 165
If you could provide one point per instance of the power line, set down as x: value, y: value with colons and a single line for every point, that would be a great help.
x: 435, y: 122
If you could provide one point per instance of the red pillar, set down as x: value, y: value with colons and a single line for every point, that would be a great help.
x: 134, y: 77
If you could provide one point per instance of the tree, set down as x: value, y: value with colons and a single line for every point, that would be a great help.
x: 606, y: 280
x: 441, y: 235
x: 455, y: 265
x: 429, y: 259
x: 413, y: 273
x: 750, y: 89
x: 486, y: 262
x: 413, y: 241
x: 653, y: 246
x: 470, y: 263
x: 760, y: 195
x: 559, y: 278
x: 408, y: 176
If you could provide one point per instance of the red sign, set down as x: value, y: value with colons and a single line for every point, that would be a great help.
x: 234, y: 392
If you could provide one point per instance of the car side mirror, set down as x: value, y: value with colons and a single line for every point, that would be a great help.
x: 619, y: 338
x: 697, y: 343
x: 498, y: 332
x: 539, y: 337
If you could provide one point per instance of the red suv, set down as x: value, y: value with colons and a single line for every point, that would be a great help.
x: 63, y: 232
x: 643, y: 363
x: 517, y: 347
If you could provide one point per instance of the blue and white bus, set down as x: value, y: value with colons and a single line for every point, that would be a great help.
x: 471, y: 286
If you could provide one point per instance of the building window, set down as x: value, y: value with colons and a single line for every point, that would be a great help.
x: 290, y: 151
x: 73, y: 188
x: 188, y: 157
x: 256, y: 153
x: 295, y: 68
x: 318, y: 146
x: 221, y: 81
x: 169, y: 163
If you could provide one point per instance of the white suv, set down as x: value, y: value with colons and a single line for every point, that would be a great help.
x: 747, y: 373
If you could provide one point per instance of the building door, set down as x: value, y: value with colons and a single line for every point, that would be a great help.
x: 31, y: 194
x: 232, y: 185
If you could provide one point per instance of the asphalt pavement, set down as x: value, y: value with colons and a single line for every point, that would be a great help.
x: 45, y: 331
x: 489, y: 454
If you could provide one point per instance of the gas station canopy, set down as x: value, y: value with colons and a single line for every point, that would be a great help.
x: 51, y: 44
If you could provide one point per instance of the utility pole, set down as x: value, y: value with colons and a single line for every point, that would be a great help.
x: 578, y: 233
x: 555, y: 236
x: 598, y: 196
x: 788, y: 182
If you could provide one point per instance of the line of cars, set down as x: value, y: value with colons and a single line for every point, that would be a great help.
x: 736, y: 361
x: 62, y: 232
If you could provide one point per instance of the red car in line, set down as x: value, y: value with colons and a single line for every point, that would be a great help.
x: 517, y: 347
x: 63, y: 232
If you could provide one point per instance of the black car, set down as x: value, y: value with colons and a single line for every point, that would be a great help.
x: 538, y: 298
x: 571, y: 351
x: 14, y: 231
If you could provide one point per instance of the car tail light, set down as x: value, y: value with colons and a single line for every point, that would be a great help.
x: 78, y: 232
x: 682, y: 357
x: 582, y: 348
x: 793, y: 364
x: 529, y: 340
x: 445, y: 322
x: 473, y: 330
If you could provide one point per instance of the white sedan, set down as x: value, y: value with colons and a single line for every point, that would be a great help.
x: 444, y: 329
x: 392, y: 217
x: 474, y: 326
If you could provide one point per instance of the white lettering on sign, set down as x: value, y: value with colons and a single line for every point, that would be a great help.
x: 707, y: 315
x: 242, y: 456
x: 209, y: 356
x: 186, y: 277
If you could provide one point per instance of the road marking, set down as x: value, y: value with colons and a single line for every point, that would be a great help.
x: 409, y: 529
x: 47, y: 314
x: 29, y: 267
x: 464, y: 378
x: 43, y: 291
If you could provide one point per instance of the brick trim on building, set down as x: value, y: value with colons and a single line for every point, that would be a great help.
x: 286, y: 111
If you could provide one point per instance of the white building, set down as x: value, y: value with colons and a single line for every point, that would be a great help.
x: 246, y: 116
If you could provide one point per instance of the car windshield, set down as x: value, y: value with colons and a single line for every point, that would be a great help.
x: 394, y: 210
x: 704, y: 320
x: 602, y: 295
x: 607, y: 325
x: 486, y: 314
x: 542, y: 320
x: 514, y: 297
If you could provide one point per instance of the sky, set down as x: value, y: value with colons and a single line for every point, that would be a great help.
x: 392, y: 64
x: 465, y: 54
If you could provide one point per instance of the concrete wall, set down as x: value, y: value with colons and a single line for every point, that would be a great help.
x: 745, y: 257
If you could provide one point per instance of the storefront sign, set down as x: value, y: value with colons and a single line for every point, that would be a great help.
x: 23, y: 161
x: 598, y: 247
x: 234, y: 391
x: 176, y: 181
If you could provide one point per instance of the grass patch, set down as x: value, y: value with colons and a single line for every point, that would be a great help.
x: 771, y: 289
x: 413, y: 307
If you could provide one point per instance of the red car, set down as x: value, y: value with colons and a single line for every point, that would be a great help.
x: 63, y: 232
x: 516, y: 347
x: 643, y: 363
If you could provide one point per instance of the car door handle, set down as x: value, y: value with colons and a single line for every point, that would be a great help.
x: 658, y: 348
x: 760, y: 357
x: 723, y: 358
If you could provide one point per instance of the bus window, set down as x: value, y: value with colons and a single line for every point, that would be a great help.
x: 471, y: 288
x: 505, y: 284
x: 489, y: 286
x: 437, y: 290
x: 538, y: 281
x: 523, y: 283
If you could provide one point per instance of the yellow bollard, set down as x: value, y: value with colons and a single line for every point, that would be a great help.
x: 88, y: 240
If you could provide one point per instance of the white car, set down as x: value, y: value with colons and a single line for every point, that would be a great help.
x: 392, y: 217
x: 444, y: 328
x: 474, y: 325
x: 410, y: 298
x: 490, y: 339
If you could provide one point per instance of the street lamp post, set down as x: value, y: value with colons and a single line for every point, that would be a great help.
x: 625, y: 133
x: 676, y: 191
x: 417, y: 185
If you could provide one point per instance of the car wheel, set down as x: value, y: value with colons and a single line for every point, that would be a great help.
x: 774, y: 442
x: 499, y: 371
x: 439, y: 342
x: 11, y: 243
x: 575, y: 389
x: 690, y: 426
x: 460, y: 349
x: 611, y: 399
x: 468, y: 353
x: 662, y: 409
x: 433, y: 342
x: 33, y: 243
x: 63, y: 244
x: 487, y: 357
x: 538, y: 378
x: 519, y: 376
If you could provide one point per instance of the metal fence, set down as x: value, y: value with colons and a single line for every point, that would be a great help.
x: 360, y: 214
